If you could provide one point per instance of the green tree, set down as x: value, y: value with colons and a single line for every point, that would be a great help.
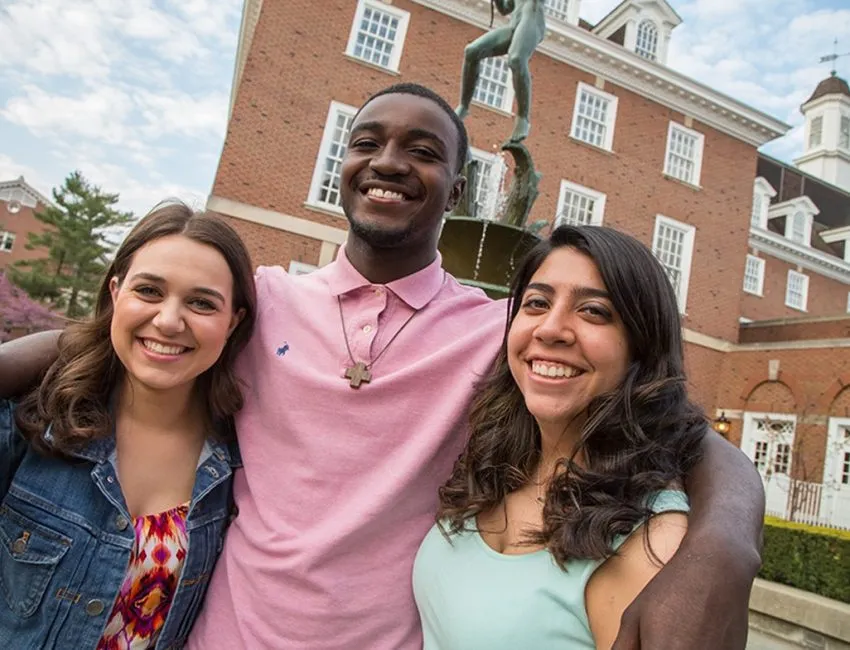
x: 77, y: 244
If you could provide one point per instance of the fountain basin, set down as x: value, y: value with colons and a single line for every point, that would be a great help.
x: 483, y: 253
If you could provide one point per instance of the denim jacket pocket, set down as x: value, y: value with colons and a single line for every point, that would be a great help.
x: 29, y: 555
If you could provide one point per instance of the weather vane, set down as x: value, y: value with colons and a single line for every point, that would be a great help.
x: 833, y: 57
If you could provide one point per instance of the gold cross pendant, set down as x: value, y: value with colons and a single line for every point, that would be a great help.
x: 358, y: 374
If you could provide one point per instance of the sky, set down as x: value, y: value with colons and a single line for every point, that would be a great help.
x: 135, y: 93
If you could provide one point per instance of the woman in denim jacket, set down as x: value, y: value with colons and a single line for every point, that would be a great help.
x: 115, y: 474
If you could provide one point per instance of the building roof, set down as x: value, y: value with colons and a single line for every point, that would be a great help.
x: 832, y: 85
x: 21, y: 183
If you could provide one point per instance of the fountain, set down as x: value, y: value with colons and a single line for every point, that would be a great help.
x: 479, y: 251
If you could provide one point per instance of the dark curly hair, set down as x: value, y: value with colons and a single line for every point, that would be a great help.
x: 74, y: 395
x: 642, y: 437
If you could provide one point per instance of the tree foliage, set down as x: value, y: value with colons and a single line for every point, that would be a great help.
x: 20, y: 314
x: 77, y: 246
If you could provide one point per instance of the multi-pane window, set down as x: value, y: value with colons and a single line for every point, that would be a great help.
x: 755, y: 216
x: 7, y: 241
x: 485, y: 190
x: 493, y: 87
x: 594, y: 117
x: 760, y: 455
x: 797, y: 290
x: 844, y: 133
x: 782, y: 459
x: 327, y: 173
x: 798, y: 228
x: 556, y: 9
x: 845, y: 469
x: 377, y: 34
x: 647, y: 40
x: 816, y: 132
x: 754, y: 275
x: 579, y: 206
x: 683, y: 159
x: 673, y: 245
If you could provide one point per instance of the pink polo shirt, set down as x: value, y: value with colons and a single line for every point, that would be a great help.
x: 340, y: 485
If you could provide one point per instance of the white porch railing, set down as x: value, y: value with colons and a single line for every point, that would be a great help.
x: 816, y: 504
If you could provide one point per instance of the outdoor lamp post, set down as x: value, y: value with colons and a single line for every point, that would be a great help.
x: 722, y: 424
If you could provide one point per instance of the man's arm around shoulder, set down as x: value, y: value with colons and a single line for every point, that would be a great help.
x: 25, y: 360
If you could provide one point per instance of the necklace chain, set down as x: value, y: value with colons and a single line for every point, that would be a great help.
x: 360, y: 372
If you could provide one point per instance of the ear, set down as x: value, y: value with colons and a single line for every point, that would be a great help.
x: 455, y: 195
x: 234, y: 322
x: 114, y: 287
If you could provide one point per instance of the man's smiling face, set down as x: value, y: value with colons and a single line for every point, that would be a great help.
x: 399, y: 173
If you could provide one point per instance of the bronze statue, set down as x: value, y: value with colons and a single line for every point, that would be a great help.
x: 518, y: 40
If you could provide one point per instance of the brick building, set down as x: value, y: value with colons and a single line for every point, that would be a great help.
x: 19, y: 202
x: 620, y: 138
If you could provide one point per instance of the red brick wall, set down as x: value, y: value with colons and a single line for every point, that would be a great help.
x: 21, y: 224
x: 703, y: 366
x: 293, y: 71
x: 807, y: 330
x: 827, y: 297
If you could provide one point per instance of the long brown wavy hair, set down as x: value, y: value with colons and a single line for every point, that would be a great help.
x: 640, y: 438
x: 75, y: 393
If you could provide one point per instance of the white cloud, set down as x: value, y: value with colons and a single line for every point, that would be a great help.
x: 11, y: 169
x: 183, y: 113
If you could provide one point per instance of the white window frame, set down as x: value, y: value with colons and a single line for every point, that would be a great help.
x: 403, y: 18
x: 848, y: 302
x: 805, y: 222
x: 844, y: 132
x: 559, y: 12
x: 492, y: 181
x: 335, y: 109
x: 758, y: 263
x: 598, y: 198
x: 610, y: 115
x: 646, y: 41
x: 699, y: 146
x: 7, y: 241
x: 689, y: 233
x: 833, y: 463
x: 301, y: 268
x: 765, y: 192
x: 750, y: 433
x: 507, y: 97
x: 804, y: 290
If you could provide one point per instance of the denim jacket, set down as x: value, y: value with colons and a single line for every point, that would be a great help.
x: 66, y: 538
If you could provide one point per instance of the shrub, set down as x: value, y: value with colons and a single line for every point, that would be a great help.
x: 811, y: 558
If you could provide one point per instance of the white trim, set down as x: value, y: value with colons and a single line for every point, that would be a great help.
x: 403, y: 18
x: 804, y: 289
x: 597, y: 212
x: 806, y: 257
x: 765, y: 192
x: 699, y: 144
x: 834, y: 443
x: 276, y: 220
x: 610, y: 115
x: 689, y: 232
x: 759, y: 263
x: 335, y: 109
x: 300, y: 268
x: 586, y: 51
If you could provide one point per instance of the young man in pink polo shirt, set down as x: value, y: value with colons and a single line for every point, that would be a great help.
x: 358, y: 380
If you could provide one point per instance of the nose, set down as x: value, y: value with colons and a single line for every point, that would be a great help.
x: 556, y: 328
x: 389, y: 161
x: 169, y: 318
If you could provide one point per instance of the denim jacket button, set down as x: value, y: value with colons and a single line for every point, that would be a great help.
x: 212, y: 471
x: 94, y: 607
x: 121, y: 522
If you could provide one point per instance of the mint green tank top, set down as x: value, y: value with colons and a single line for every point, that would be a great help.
x: 471, y: 597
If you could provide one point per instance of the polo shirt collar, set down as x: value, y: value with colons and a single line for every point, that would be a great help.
x: 416, y: 289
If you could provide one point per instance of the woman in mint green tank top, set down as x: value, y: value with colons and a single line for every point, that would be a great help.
x: 566, y: 500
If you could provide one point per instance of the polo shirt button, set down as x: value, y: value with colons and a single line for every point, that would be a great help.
x: 94, y: 607
x: 367, y: 329
x: 121, y: 522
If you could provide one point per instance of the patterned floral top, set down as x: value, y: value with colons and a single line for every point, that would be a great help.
x: 145, y: 597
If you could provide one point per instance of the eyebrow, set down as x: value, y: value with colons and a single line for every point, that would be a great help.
x: 577, y: 292
x: 150, y: 277
x: 415, y: 133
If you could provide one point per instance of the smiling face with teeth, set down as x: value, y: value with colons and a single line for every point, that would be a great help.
x: 172, y: 313
x: 566, y: 344
x: 400, y: 176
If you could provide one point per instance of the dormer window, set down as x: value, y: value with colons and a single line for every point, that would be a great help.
x: 647, y: 40
x: 795, y: 219
x: 816, y: 132
x: 798, y: 228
